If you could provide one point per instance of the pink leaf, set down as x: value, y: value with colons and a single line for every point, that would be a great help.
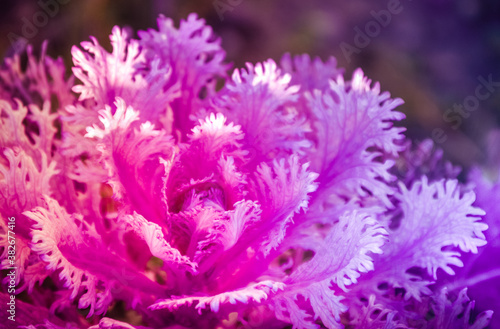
x: 356, y: 237
x: 253, y: 293
x: 437, y: 220
x: 282, y: 190
x: 11, y: 123
x: 456, y: 314
x: 195, y: 57
x: 131, y: 156
x: 23, y: 182
x: 43, y: 79
x: 123, y: 73
x: 353, y: 124
x: 310, y: 74
x: 260, y: 100
x: 54, y: 228
x: 152, y: 234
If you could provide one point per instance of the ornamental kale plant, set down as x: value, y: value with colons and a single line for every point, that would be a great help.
x: 151, y: 190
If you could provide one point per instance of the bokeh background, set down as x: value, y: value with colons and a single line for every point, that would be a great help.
x: 430, y: 53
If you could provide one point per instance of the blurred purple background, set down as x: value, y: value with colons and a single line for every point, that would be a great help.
x: 428, y: 52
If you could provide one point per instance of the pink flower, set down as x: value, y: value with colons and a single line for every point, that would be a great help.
x: 278, y: 206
